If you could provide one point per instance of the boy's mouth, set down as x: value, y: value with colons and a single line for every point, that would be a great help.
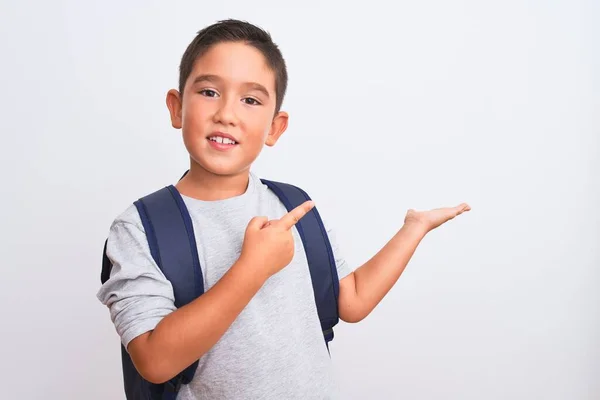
x: 222, y: 141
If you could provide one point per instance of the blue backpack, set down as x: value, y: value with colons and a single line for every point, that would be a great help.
x: 170, y: 235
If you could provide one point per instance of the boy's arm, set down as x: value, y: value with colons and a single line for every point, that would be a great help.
x: 363, y: 289
x: 184, y: 335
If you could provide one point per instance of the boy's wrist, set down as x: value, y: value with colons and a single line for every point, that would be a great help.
x: 416, y: 227
x: 251, y: 272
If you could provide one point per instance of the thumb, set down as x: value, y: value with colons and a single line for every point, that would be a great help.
x: 257, y: 223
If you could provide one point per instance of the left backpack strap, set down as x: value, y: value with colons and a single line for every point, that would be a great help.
x: 170, y: 234
x: 319, y: 254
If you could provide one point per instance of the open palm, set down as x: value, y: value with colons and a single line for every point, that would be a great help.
x: 433, y: 218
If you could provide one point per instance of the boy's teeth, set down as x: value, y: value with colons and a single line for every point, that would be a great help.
x: 220, y: 139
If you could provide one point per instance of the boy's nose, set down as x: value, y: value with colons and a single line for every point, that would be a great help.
x: 225, y: 114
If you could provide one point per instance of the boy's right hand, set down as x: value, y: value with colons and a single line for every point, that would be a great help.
x: 269, y: 245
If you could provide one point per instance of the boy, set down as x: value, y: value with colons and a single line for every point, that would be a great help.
x: 255, y: 330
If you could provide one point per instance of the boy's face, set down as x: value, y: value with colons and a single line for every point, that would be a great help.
x: 229, y: 95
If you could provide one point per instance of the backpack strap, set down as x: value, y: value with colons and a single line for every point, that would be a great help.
x: 319, y: 254
x: 170, y: 234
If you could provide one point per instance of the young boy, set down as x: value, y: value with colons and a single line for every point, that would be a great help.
x: 255, y: 330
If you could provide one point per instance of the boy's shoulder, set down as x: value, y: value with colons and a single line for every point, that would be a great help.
x: 128, y: 218
x: 129, y: 214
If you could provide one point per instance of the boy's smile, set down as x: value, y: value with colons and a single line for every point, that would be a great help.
x: 222, y: 141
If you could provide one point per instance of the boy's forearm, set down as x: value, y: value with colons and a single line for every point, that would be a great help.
x: 186, y: 334
x: 376, y: 277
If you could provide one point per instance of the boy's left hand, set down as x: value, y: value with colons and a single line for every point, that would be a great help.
x: 432, y: 219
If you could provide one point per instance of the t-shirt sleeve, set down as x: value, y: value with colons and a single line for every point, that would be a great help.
x: 138, y: 295
x: 343, y: 268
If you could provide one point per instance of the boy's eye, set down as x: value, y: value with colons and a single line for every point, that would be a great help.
x: 208, y: 93
x: 251, y: 101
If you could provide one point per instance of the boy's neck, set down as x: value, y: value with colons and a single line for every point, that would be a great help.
x: 204, y: 185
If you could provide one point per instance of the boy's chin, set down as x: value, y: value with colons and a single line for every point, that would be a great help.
x: 222, y: 168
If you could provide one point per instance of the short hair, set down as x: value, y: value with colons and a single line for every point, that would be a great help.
x: 232, y: 30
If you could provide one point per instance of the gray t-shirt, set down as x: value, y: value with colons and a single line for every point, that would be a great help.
x: 274, y: 349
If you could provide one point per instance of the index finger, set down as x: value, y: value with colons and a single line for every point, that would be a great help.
x: 290, y: 219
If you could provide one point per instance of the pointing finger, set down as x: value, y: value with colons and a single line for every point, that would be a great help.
x: 290, y: 219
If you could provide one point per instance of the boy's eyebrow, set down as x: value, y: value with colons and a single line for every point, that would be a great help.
x: 259, y: 87
x: 216, y: 79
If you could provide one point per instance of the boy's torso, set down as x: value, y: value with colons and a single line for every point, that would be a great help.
x: 275, y: 348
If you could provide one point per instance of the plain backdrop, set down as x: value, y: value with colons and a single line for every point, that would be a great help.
x: 393, y: 106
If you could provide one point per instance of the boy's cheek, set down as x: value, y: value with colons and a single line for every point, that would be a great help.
x: 195, y: 105
x: 192, y: 119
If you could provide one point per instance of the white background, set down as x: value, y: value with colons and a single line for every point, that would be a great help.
x: 411, y: 105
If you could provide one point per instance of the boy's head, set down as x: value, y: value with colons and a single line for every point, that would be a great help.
x: 232, y: 82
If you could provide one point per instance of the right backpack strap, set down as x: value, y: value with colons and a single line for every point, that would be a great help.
x: 170, y: 234
x: 319, y: 254
x: 172, y: 242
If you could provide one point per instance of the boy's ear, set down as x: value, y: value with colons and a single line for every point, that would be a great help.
x: 174, y: 105
x: 278, y: 126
